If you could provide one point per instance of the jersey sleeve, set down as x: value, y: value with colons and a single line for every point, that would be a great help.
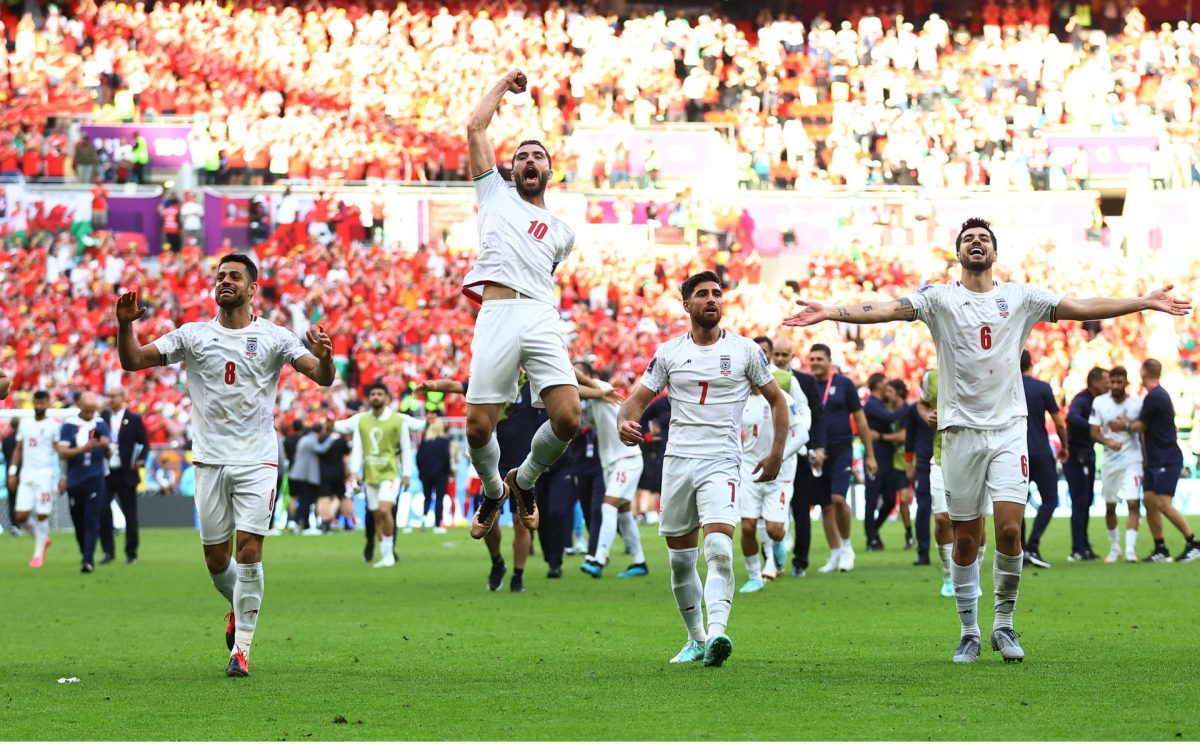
x: 758, y: 368
x: 657, y: 373
x: 1051, y: 404
x: 565, y: 251
x: 290, y: 347
x: 173, y: 347
x: 1040, y: 305
x: 926, y: 301
x: 853, y: 403
x: 488, y: 185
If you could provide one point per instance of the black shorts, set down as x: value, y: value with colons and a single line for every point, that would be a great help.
x: 1162, y: 479
x: 651, y: 479
x: 335, y: 488
x: 302, y: 490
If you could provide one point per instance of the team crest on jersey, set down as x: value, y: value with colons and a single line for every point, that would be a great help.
x: 1002, y: 306
x: 252, y: 346
x: 726, y: 364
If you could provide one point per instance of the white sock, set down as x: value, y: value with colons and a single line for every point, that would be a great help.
x: 1114, y: 539
x: 718, y: 583
x: 486, y: 461
x: 41, y: 531
x: 1130, y: 540
x: 753, y: 568
x: 627, y: 524
x: 966, y: 585
x: 982, y: 553
x: 247, y: 598
x: 946, y: 551
x: 543, y: 452
x: 224, y: 581
x: 608, y: 531
x: 387, y: 545
x: 1006, y: 577
x: 685, y: 584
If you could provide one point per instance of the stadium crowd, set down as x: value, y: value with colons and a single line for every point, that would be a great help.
x: 355, y: 91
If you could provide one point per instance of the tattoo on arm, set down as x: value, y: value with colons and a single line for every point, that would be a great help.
x: 867, y: 308
x: 905, y: 308
x: 842, y: 312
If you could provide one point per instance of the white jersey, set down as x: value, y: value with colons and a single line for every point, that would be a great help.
x: 520, y: 244
x: 1105, y: 409
x: 758, y: 434
x: 979, y: 338
x: 39, y: 457
x: 708, y: 386
x: 602, y: 417
x: 232, y: 376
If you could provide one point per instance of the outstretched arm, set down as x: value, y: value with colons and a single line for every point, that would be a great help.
x: 481, y: 154
x: 1100, y: 308
x: 869, y: 312
x: 132, y: 354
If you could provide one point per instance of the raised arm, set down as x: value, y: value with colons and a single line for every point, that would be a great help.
x: 133, y: 355
x: 481, y: 154
x: 629, y: 423
x: 1099, y: 308
x: 319, y: 365
x: 869, y: 312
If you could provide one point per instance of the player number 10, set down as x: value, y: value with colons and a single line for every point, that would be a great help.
x: 538, y: 229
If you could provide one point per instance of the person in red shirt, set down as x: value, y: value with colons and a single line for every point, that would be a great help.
x: 99, y: 205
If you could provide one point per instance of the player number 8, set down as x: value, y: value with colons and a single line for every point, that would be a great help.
x: 230, y: 373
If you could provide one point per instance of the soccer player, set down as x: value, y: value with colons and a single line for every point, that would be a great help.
x: 979, y: 327
x: 766, y: 501
x: 622, y: 470
x: 233, y: 366
x: 808, y: 465
x: 380, y: 448
x: 1122, y: 476
x: 1080, y: 468
x: 839, y: 397
x: 709, y: 372
x: 521, y: 243
x: 1162, y: 466
x: 37, y: 460
x: 1043, y: 472
x: 84, y: 444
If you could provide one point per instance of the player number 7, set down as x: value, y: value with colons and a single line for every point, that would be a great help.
x: 703, y: 390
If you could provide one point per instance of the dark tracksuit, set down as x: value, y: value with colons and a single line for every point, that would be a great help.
x: 1043, y: 469
x: 918, y: 441
x: 1080, y: 468
x: 804, y: 476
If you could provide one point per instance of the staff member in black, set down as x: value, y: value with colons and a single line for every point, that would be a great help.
x: 1163, y: 465
x: 124, y: 475
x: 1080, y: 468
x: 1043, y: 472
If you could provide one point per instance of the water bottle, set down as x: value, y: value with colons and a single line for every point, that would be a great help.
x: 812, y: 464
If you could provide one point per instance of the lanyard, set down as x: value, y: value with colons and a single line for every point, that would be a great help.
x: 828, y: 384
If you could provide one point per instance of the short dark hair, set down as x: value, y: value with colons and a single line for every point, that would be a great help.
x: 691, y: 282
x: 41, y: 394
x: 1096, y: 374
x: 970, y: 223
x: 377, y: 386
x: 874, y: 380
x: 1026, y: 360
x: 238, y: 257
x: 549, y: 160
x: 760, y: 340
x: 297, y: 424
x: 821, y: 348
x: 1118, y: 371
x: 900, y: 387
x: 1153, y: 367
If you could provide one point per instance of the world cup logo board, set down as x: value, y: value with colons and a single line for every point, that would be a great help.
x: 252, y: 346
x: 726, y: 364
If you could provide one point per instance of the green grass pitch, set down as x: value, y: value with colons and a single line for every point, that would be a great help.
x: 424, y: 652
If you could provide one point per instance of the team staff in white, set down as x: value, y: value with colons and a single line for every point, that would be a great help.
x: 520, y: 245
x: 233, y: 366
x: 1121, y: 478
x: 979, y: 327
x: 708, y: 373
x: 35, y: 456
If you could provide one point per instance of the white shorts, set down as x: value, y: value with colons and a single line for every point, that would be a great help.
x: 511, y: 334
x: 234, y: 497
x: 1121, y: 483
x: 697, y: 492
x: 937, y: 489
x: 621, y: 481
x: 386, y: 491
x: 983, y: 466
x: 35, y: 495
x: 764, y: 501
